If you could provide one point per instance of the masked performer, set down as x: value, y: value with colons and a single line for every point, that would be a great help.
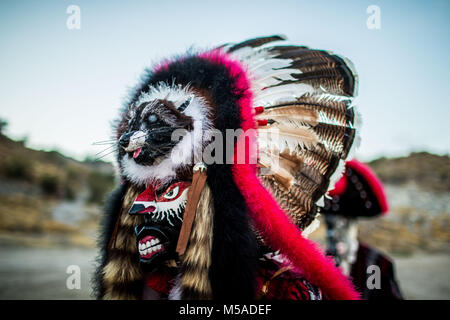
x: 224, y: 156
x: 359, y: 193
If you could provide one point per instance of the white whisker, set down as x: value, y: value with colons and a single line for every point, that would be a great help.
x: 107, y: 149
x: 106, y: 154
x: 103, y: 143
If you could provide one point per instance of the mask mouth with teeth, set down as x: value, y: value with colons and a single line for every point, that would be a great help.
x: 163, y: 211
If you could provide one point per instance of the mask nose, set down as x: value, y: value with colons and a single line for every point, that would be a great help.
x: 132, y: 141
x: 124, y: 140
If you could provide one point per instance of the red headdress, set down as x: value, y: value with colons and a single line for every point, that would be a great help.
x: 358, y: 193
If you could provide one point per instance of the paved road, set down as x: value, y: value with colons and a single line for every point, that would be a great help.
x: 27, y: 273
x: 424, y: 276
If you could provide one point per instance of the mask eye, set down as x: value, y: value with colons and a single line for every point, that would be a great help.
x: 172, y: 193
x: 152, y: 118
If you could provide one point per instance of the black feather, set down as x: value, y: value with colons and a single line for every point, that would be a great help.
x: 256, y: 42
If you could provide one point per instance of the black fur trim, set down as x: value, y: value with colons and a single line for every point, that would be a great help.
x: 113, y: 205
x: 234, y: 248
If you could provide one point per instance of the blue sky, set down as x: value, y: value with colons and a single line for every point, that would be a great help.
x: 61, y: 88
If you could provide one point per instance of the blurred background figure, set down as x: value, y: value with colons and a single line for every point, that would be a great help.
x: 359, y: 193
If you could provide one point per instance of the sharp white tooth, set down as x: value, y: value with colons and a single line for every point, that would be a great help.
x: 147, y: 244
x: 152, y: 242
x: 140, y: 246
x: 158, y: 247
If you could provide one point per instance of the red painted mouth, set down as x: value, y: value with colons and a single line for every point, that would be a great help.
x: 148, y: 209
x: 149, y: 246
x: 136, y: 153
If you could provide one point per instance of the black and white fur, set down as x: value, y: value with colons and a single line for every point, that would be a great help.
x: 183, y: 152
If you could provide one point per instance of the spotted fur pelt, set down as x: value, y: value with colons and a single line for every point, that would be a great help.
x: 193, y: 282
x: 118, y: 274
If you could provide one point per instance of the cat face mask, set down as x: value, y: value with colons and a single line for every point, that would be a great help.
x: 163, y: 212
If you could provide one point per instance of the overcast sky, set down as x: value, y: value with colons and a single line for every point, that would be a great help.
x: 61, y: 87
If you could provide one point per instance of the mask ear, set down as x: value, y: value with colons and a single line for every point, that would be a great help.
x: 131, y: 111
x: 184, y: 105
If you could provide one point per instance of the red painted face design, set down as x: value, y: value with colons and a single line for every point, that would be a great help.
x: 168, y: 205
x: 163, y: 212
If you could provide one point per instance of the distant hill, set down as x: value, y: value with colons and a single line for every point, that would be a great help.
x: 428, y: 171
x: 49, y: 199
x: 418, y: 191
x: 50, y: 173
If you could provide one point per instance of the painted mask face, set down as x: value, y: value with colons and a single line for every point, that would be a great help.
x: 163, y: 212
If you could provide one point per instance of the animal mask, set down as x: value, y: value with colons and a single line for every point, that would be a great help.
x: 163, y: 212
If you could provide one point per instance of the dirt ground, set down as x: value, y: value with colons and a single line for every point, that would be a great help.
x: 30, y: 273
